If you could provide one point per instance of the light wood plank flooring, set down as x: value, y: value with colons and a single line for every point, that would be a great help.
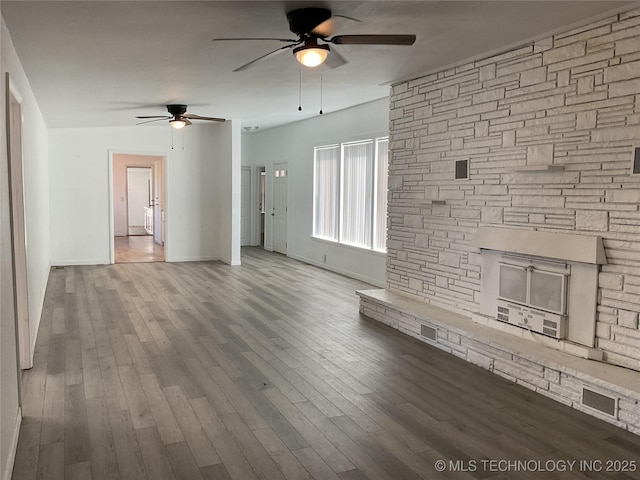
x: 137, y: 248
x: 267, y: 371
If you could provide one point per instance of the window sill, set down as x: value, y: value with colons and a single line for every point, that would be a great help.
x: 377, y: 253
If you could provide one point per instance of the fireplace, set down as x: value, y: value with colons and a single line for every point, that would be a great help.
x: 545, y: 283
x: 532, y: 294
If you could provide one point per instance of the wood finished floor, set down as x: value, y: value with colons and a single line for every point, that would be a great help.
x: 137, y: 248
x: 267, y: 371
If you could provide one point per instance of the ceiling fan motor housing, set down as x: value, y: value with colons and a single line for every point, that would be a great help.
x: 177, y: 110
x: 303, y: 20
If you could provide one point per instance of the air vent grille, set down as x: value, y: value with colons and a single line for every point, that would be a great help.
x: 429, y: 332
x: 603, y: 403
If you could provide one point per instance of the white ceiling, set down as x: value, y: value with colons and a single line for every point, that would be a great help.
x: 95, y: 63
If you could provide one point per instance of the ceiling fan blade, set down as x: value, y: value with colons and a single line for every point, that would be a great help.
x: 156, y: 116
x: 186, y: 122
x: 348, y: 18
x: 323, y: 29
x: 151, y: 121
x: 254, y: 38
x: 334, y: 59
x: 198, y: 117
x: 268, y: 55
x: 373, y: 39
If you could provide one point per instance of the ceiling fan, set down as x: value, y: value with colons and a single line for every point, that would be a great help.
x: 178, y: 117
x: 313, y: 25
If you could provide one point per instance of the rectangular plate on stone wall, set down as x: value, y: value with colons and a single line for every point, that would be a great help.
x: 461, y: 169
x: 635, y: 167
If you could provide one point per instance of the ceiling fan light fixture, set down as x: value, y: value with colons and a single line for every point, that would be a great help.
x: 177, y: 123
x: 311, y: 54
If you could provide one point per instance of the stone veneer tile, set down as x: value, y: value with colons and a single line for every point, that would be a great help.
x: 628, y: 319
x: 571, y: 100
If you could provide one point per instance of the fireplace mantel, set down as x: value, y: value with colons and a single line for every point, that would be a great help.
x: 562, y: 246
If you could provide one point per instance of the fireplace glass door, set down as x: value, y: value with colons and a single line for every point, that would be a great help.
x: 513, y: 283
x: 547, y: 291
x: 533, y: 287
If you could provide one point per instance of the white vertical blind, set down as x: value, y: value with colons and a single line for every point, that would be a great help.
x: 350, y: 193
x: 357, y: 191
x: 380, y: 190
x: 326, y: 192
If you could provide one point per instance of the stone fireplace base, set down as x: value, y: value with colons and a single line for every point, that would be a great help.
x: 561, y: 376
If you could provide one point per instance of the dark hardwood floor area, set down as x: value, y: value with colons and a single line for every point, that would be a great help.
x: 200, y: 370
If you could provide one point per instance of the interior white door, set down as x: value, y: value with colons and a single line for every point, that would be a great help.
x: 158, y: 204
x: 18, y: 228
x: 245, y: 206
x: 280, y: 176
x: 138, y: 195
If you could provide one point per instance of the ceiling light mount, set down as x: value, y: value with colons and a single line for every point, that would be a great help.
x: 311, y: 54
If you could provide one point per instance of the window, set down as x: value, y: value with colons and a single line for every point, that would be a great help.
x: 350, y: 193
x: 325, y: 191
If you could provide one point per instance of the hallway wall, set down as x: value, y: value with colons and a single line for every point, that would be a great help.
x: 36, y: 199
x: 80, y: 230
x: 294, y: 144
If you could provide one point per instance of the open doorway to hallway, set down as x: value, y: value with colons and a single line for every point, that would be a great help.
x: 138, y: 208
x: 253, y: 206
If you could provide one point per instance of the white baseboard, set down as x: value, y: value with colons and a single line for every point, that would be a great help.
x: 13, y: 448
x: 36, y: 327
x: 191, y: 259
x: 341, y: 271
x: 73, y: 263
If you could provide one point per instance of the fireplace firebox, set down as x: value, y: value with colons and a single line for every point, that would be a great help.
x: 541, y: 281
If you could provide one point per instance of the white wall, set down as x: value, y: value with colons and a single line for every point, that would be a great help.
x: 79, y: 180
x: 227, y: 188
x: 36, y: 193
x: 294, y: 144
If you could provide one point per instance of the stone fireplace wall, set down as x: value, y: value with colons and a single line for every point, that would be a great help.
x: 549, y: 131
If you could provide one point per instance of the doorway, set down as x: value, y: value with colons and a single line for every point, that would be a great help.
x: 262, y: 197
x: 279, y: 213
x: 257, y: 199
x: 138, y: 212
x: 139, y: 201
x: 245, y: 206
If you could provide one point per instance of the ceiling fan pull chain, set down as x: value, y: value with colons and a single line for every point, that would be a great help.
x: 300, y: 89
x: 321, y: 92
x: 172, y: 134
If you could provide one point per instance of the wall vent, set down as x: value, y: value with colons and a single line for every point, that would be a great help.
x: 429, y: 332
x: 462, y: 169
x: 602, y: 403
x: 635, y: 168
